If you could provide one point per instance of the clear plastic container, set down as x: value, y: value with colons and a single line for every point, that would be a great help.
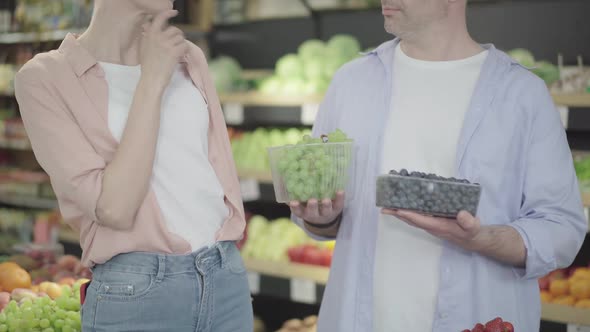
x: 305, y: 171
x: 431, y: 197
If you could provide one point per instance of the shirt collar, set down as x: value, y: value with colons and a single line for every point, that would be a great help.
x: 80, y: 59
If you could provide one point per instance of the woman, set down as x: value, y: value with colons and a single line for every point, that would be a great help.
x: 126, y: 122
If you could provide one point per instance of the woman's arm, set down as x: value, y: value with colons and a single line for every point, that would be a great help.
x: 109, y: 194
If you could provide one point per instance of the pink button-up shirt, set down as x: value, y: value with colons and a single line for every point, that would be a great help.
x: 63, y: 98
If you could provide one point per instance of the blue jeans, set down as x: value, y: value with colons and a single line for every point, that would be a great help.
x: 203, y: 291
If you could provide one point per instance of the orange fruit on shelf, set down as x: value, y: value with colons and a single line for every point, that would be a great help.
x: 582, y: 273
x: 546, y: 297
x: 9, y: 266
x: 580, y: 289
x: 564, y: 300
x: 12, y: 278
x: 584, y: 304
x: 559, y: 288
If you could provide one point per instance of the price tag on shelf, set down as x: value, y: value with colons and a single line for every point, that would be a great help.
x: 577, y: 328
x: 303, y: 291
x: 564, y: 113
x: 234, y: 113
x: 309, y: 113
x: 254, y: 282
x: 250, y: 190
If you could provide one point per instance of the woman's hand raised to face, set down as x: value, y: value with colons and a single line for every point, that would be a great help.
x: 162, y: 47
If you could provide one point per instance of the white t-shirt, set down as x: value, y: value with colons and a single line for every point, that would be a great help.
x: 188, y: 191
x: 430, y: 100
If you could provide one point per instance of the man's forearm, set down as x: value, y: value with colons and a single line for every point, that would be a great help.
x: 329, y: 230
x: 502, y: 243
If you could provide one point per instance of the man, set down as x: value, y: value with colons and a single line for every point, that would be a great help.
x: 435, y: 101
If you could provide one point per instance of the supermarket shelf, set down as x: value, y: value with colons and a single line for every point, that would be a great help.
x: 33, y: 37
x: 565, y: 314
x: 255, y: 74
x: 294, y: 282
x: 256, y: 189
x: 191, y: 32
x: 262, y: 177
x: 572, y: 100
x: 259, y: 99
x: 254, y: 108
x: 19, y: 145
x: 284, y: 270
x: 28, y: 202
x: 69, y: 236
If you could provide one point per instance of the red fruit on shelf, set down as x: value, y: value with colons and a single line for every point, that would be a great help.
x: 68, y: 262
x: 466, y: 330
x: 478, y: 328
x: 295, y: 254
x: 557, y: 274
x: 326, y: 257
x: 312, y: 256
x: 544, y: 282
x: 495, y: 325
x: 508, y: 327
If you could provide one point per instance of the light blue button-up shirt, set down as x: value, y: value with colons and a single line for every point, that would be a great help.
x: 512, y: 143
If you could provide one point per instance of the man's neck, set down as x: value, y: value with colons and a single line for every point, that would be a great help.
x: 114, y: 37
x: 441, y: 42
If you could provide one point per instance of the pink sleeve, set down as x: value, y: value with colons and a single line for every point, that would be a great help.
x: 61, y: 148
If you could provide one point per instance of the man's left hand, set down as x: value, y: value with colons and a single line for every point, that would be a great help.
x: 463, y: 231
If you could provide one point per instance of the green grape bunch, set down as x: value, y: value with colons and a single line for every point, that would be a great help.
x: 314, y: 167
x: 43, y: 314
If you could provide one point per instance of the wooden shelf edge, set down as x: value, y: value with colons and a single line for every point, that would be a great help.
x: 572, y: 100
x: 29, y: 202
x: 262, y: 177
x: 565, y: 314
x: 253, y: 98
x: 317, y: 274
x: 33, y: 37
x: 68, y: 236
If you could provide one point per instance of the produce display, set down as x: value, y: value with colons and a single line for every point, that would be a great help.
x: 308, y: 324
x: 582, y: 166
x: 227, y: 74
x: 271, y: 240
x: 250, y: 148
x: 495, y: 325
x: 567, y: 287
x: 544, y: 69
x: 7, y: 72
x: 56, y: 311
x: 44, y: 265
x: 311, y: 254
x: 310, y: 71
x: 313, y: 168
x: 427, y: 193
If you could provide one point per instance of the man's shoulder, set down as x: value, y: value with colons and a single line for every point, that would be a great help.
x: 366, y: 65
x: 518, y: 81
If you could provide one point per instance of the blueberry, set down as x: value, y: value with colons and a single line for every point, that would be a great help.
x: 404, y: 172
x: 393, y: 172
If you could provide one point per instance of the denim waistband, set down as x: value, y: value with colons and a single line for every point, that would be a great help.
x: 203, y: 260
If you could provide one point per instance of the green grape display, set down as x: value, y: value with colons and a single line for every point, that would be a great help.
x: 43, y: 314
x: 314, y: 167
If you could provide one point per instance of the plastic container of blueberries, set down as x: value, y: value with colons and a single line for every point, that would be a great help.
x: 438, y: 198
x: 286, y: 178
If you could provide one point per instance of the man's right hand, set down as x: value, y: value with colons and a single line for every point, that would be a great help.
x: 162, y: 47
x: 318, y: 213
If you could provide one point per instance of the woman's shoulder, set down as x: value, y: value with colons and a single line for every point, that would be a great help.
x: 42, y: 67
